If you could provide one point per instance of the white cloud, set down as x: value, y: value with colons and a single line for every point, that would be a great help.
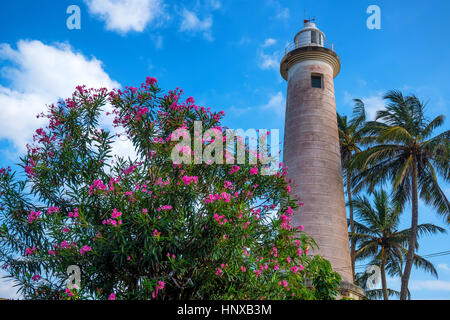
x: 269, y: 61
x: 237, y: 112
x: 372, y: 103
x: 158, y: 41
x: 7, y: 289
x: 190, y: 22
x: 269, y: 42
x: 283, y: 13
x: 435, y: 285
x: 243, y: 41
x: 127, y: 15
x: 444, y: 266
x: 214, y: 4
x: 277, y: 104
x: 38, y: 75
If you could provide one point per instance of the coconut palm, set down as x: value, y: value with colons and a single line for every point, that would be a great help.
x: 406, y: 154
x: 350, y: 138
x: 379, y: 239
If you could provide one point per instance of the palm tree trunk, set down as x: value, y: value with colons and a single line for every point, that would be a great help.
x: 352, y: 223
x: 412, y: 236
x: 383, y: 280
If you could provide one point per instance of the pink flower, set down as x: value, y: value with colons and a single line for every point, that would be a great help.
x: 33, y: 216
x: 52, y: 210
x: 150, y: 81
x: 219, y: 219
x: 74, y: 214
x: 116, y: 214
x: 36, y: 277
x: 234, y: 169
x: 156, y: 233
x: 188, y: 180
x: 284, y: 284
x: 190, y: 100
x: 112, y: 296
x: 285, y: 220
x: 228, y: 185
x: 226, y: 197
x: 85, y: 249
x: 295, y: 269
x: 243, y: 269
x: 30, y: 251
x: 68, y: 292
x: 160, y: 285
x: 98, y: 184
x: 253, y: 171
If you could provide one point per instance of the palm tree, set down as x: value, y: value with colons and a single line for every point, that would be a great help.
x: 378, y: 237
x: 406, y: 154
x: 350, y: 138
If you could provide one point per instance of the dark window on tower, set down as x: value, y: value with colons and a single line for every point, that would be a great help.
x: 316, y: 81
x: 313, y: 37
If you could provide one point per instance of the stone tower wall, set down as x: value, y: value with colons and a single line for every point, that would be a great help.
x: 311, y: 151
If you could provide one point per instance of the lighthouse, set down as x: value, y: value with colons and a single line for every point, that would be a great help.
x: 311, y: 146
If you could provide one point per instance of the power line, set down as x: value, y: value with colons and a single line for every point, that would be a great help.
x: 430, y: 255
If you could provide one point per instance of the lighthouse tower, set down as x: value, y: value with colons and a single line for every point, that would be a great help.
x: 311, y: 145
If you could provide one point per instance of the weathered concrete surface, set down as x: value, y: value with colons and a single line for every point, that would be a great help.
x: 311, y: 151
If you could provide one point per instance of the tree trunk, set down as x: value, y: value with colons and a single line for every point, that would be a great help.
x: 412, y: 235
x: 352, y: 224
x: 383, y: 280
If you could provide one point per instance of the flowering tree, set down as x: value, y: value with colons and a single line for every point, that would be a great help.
x: 149, y: 228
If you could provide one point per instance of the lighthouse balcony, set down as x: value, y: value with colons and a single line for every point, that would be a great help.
x: 300, y: 44
x: 298, y: 51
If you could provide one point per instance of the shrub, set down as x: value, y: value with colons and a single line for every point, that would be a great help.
x: 147, y: 228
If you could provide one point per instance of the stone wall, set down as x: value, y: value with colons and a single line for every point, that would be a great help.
x: 311, y: 151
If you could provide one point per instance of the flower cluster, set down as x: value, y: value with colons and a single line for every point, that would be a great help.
x: 115, y: 218
x: 33, y: 216
x: 188, y: 180
x: 226, y: 197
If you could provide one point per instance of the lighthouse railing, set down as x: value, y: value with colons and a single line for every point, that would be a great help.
x: 299, y: 44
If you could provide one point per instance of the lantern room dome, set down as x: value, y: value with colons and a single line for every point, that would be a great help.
x: 310, y: 35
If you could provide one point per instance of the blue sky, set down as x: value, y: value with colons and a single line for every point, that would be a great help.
x: 226, y: 54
